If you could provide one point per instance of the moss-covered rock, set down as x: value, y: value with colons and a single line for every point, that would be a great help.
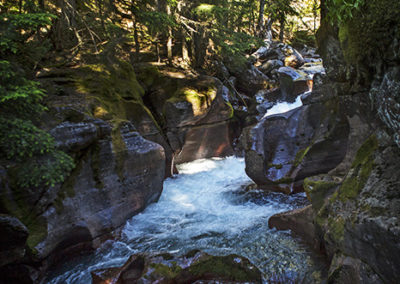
x: 189, y: 268
x: 360, y: 171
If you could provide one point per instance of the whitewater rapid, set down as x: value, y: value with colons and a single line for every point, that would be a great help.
x: 205, y: 207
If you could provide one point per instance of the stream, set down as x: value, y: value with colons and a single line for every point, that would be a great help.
x: 209, y: 207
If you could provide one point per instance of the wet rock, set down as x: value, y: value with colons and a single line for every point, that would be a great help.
x: 198, y: 120
x: 13, y: 236
x: 270, y: 65
x: 386, y: 97
x: 205, y: 142
x: 283, y: 149
x: 293, y: 82
x: 313, y: 68
x: 194, y: 267
x: 348, y: 270
x: 331, y: 53
x: 250, y: 80
x: 360, y: 219
x: 299, y: 221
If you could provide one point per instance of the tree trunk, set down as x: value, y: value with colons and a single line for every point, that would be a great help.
x: 282, y: 27
x: 100, y: 6
x: 261, y: 19
x: 41, y: 4
x: 268, y: 30
x: 169, y: 39
x: 136, y: 38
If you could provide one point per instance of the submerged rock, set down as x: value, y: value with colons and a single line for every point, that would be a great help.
x: 194, y: 267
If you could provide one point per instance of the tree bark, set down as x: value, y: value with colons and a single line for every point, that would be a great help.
x: 261, y: 19
x: 282, y: 26
x: 169, y: 39
x: 136, y: 38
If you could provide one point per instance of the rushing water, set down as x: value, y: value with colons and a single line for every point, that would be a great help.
x: 206, y: 207
x: 282, y: 107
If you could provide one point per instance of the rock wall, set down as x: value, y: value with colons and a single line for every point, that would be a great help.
x: 356, y: 206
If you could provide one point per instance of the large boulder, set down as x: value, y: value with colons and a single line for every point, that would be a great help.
x: 194, y: 267
x: 198, y: 120
x: 283, y: 149
x: 115, y: 177
x: 299, y: 221
x: 293, y: 83
x: 250, y: 80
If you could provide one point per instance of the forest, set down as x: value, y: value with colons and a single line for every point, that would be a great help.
x: 137, y: 136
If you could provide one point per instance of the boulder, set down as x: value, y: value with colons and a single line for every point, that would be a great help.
x: 115, y: 177
x: 300, y: 222
x: 190, y: 268
x: 293, y: 83
x: 283, y: 149
x: 348, y: 270
x: 313, y: 68
x: 250, y: 80
x: 198, y: 120
x: 270, y: 65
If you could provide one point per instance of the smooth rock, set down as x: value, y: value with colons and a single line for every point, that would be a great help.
x: 283, y: 149
x: 293, y: 83
x: 300, y: 222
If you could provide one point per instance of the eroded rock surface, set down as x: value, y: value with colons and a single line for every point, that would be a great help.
x: 283, y: 149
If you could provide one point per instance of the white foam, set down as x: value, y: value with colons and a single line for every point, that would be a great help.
x: 204, y: 207
x: 283, y: 107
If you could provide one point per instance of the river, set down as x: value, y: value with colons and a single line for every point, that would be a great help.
x: 209, y: 207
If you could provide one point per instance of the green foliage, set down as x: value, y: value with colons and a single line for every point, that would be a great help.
x: 17, y: 94
x: 38, y: 163
x: 16, y: 29
x: 340, y: 11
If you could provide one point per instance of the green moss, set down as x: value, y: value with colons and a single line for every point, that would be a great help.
x: 169, y: 272
x: 17, y: 203
x: 284, y: 180
x: 336, y: 229
x: 300, y: 156
x: 317, y: 191
x: 115, y: 89
x: 232, y: 112
x: 37, y: 232
x: 276, y: 166
x: 200, y: 99
x: 322, y: 215
x: 369, y: 29
x: 360, y: 171
x: 147, y: 74
x: 225, y: 267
